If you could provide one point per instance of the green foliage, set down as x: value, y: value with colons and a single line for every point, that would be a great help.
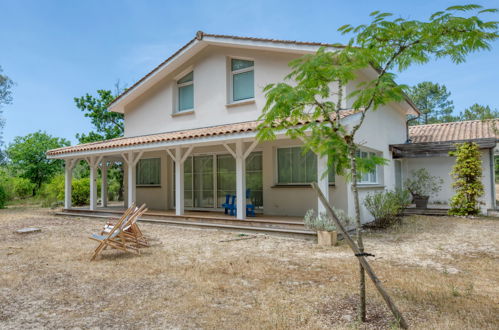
x: 3, y: 197
x: 108, y: 125
x: 433, y: 102
x: 23, y: 188
x: 27, y: 157
x: 321, y: 222
x: 386, y: 206
x: 422, y: 184
x: 479, y: 112
x: 467, y: 174
x: 5, y: 89
x: 52, y: 193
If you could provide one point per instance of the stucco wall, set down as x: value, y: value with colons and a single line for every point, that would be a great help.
x: 152, y: 111
x: 442, y: 166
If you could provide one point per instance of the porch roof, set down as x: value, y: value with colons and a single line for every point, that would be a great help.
x: 436, y: 140
x: 195, y: 135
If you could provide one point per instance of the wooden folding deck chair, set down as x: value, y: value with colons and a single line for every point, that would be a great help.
x: 132, y: 231
x: 116, y: 238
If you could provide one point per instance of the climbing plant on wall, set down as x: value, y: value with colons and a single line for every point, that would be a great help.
x: 467, y: 175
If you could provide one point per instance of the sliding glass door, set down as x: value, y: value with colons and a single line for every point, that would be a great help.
x: 209, y: 178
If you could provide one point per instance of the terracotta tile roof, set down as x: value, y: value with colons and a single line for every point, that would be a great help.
x: 455, y: 131
x: 228, y: 129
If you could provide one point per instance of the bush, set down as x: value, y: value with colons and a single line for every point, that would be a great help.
x: 467, y: 175
x: 322, y: 222
x: 23, y: 188
x: 3, y: 197
x: 52, y: 193
x: 386, y: 206
x: 422, y: 184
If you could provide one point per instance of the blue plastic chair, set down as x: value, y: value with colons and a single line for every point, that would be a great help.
x: 250, y: 208
x: 230, y: 204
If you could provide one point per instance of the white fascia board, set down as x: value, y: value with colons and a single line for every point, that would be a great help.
x: 161, y: 72
x: 263, y: 45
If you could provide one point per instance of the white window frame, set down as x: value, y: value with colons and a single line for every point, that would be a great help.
x: 177, y: 89
x: 276, y: 169
x: 148, y: 184
x: 231, y: 79
x: 373, y: 177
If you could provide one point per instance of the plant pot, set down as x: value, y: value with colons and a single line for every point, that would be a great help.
x: 327, y: 238
x: 421, y: 201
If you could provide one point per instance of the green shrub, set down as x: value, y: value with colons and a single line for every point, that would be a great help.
x: 23, y: 188
x: 113, y: 190
x: 322, y: 222
x: 81, y: 192
x: 3, y: 197
x: 386, y: 206
x: 422, y: 184
x: 52, y: 193
x: 467, y: 175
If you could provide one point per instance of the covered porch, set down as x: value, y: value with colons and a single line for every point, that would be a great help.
x: 191, y: 173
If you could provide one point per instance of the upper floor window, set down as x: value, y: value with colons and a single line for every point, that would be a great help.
x: 294, y: 167
x: 185, y: 86
x: 242, y: 78
x: 149, y: 172
x: 370, y: 177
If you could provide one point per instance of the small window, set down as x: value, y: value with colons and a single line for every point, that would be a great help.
x: 185, y: 86
x: 242, y: 77
x: 149, y: 172
x: 294, y: 167
x: 370, y: 177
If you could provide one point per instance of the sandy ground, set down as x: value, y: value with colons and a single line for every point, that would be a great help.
x: 441, y: 272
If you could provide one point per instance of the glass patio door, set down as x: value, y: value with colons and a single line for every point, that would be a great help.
x: 203, y: 181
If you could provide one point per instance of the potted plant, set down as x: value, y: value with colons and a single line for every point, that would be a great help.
x: 325, y: 227
x: 422, y: 185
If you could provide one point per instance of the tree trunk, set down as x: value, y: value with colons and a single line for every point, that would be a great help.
x: 358, y: 227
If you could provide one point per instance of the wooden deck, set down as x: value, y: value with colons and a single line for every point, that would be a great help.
x: 267, y: 224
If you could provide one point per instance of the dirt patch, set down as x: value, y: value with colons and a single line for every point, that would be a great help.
x: 189, y: 279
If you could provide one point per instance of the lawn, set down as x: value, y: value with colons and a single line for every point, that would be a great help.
x: 441, y: 271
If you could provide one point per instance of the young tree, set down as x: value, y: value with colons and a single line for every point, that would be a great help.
x: 27, y: 157
x: 467, y: 174
x: 108, y: 125
x: 479, y: 112
x: 311, y: 106
x: 433, y: 102
x: 5, y: 98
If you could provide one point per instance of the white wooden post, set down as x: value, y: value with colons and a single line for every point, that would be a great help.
x: 179, y: 158
x: 103, y: 190
x: 179, y: 184
x: 131, y: 160
x: 93, y: 163
x: 240, y: 155
x: 240, y: 181
x: 322, y: 181
x: 68, y: 176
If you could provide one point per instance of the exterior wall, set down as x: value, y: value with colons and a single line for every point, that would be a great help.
x: 442, y: 166
x: 156, y: 198
x: 381, y: 128
x: 152, y: 111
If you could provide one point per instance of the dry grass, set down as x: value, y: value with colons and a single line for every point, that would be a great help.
x: 442, y: 272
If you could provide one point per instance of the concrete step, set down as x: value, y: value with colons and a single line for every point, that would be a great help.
x: 250, y: 221
x: 242, y: 226
x: 415, y: 211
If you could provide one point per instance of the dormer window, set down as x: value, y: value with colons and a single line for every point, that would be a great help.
x: 242, y: 80
x: 185, y: 86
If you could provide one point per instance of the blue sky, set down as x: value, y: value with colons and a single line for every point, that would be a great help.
x: 57, y: 50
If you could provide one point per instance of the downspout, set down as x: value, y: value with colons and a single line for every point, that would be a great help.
x: 492, y: 177
x: 408, y: 140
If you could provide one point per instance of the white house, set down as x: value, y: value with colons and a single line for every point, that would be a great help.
x: 190, y: 137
